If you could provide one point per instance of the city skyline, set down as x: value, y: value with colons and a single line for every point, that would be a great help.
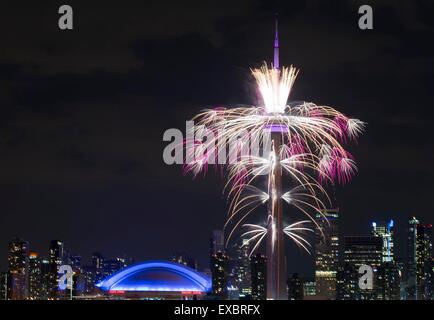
x: 202, y: 259
x: 84, y: 112
x: 232, y: 274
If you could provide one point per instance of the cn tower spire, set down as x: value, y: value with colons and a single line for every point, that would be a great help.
x: 276, y: 44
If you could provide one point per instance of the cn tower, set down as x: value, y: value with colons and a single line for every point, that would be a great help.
x: 275, y: 250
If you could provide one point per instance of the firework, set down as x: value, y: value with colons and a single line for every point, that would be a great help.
x: 311, y: 153
x: 301, y: 144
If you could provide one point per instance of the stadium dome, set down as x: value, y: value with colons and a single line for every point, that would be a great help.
x: 157, y: 276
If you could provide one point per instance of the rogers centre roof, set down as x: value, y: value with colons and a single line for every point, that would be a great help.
x: 157, y: 276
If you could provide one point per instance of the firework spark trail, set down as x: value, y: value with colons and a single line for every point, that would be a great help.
x: 257, y: 233
x: 311, y: 154
x: 291, y: 231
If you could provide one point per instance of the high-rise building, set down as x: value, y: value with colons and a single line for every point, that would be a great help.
x: 385, y: 231
x: 419, y: 257
x: 18, y: 261
x: 430, y: 281
x: 78, y: 279
x: 219, y: 265
x: 75, y: 263
x: 36, y: 277
x: 309, y: 289
x: 346, y: 282
x: 411, y: 258
x: 97, y: 264
x: 423, y: 259
x: 403, y: 284
x: 89, y: 280
x: 45, y: 270
x: 258, y: 265
x: 111, y: 266
x: 56, y: 259
x: 185, y: 259
x: 327, y: 253
x: 388, y: 281
x: 217, y: 241
x: 4, y: 285
x: 364, y: 250
x: 295, y: 288
x: 242, y: 273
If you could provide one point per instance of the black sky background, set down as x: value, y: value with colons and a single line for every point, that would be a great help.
x: 83, y: 114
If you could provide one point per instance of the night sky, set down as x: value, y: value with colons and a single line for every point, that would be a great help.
x: 83, y: 113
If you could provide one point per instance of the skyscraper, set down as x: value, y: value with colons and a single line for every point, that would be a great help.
x: 430, y: 281
x: 18, y: 261
x: 309, y: 289
x: 346, y: 282
x: 258, y: 265
x: 45, y: 269
x: 295, y: 288
x: 364, y: 250
x: 327, y: 253
x: 423, y: 260
x: 111, y: 266
x: 411, y: 258
x: 385, y: 231
x: 242, y: 272
x: 4, y: 285
x: 388, y: 281
x: 75, y: 262
x: 89, y: 280
x: 218, y: 265
x: 361, y: 250
x: 56, y: 256
x: 36, y: 277
x: 185, y: 259
x: 97, y: 264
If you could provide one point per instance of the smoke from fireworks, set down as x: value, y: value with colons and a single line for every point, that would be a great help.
x: 311, y: 154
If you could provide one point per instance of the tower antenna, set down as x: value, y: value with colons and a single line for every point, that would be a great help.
x: 276, y: 44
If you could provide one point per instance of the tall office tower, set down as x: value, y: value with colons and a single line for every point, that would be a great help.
x: 97, y: 264
x: 423, y: 259
x: 217, y: 241
x: 361, y: 250
x: 89, y: 280
x: 258, y: 266
x: 78, y: 278
x: 127, y: 261
x: 45, y: 273
x: 242, y: 272
x: 185, y: 259
x: 403, y: 283
x: 295, y: 288
x: 18, y: 261
x: 364, y: 250
x: 385, y: 231
x: 56, y: 259
x: 327, y: 254
x: 411, y: 259
x: 388, y: 281
x: 430, y: 281
x: 4, y: 285
x: 111, y: 266
x: 346, y: 283
x: 75, y: 263
x: 309, y: 289
x: 35, y: 277
x: 218, y: 265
